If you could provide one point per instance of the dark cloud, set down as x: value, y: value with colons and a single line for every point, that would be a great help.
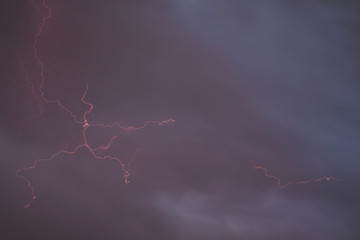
x: 248, y: 82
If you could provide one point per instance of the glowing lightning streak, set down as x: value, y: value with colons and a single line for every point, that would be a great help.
x: 85, y: 144
x: 35, y: 45
x: 282, y: 186
x: 84, y: 121
x: 41, y: 95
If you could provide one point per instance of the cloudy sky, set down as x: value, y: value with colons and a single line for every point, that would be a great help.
x: 248, y: 82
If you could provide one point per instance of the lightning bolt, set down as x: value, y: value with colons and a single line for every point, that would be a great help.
x: 282, y: 186
x: 39, y: 94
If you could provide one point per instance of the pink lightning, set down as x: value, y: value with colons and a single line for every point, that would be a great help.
x: 282, y: 186
x: 38, y: 93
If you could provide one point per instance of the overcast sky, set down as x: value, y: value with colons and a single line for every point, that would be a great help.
x: 249, y: 83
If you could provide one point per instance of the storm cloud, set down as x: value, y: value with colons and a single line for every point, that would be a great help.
x: 270, y: 83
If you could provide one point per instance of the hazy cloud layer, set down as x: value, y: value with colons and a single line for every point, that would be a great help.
x: 273, y: 83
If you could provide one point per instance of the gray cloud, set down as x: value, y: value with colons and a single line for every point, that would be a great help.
x: 247, y: 82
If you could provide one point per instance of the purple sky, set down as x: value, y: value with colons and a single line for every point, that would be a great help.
x: 250, y: 82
